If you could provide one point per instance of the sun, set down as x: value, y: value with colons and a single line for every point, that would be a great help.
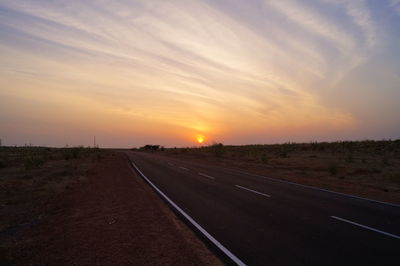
x: 200, y: 139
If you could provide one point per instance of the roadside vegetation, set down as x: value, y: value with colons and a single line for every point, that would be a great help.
x: 31, y: 177
x: 359, y: 167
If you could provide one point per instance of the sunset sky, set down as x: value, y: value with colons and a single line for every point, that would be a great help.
x: 166, y: 72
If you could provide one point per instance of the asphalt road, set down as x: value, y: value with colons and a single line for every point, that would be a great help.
x: 264, y: 221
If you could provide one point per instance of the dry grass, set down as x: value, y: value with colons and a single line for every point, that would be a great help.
x: 30, y: 177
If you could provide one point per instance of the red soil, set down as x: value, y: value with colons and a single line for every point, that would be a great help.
x: 112, y: 219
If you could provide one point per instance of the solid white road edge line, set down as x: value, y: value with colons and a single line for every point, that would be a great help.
x: 366, y: 227
x: 248, y: 189
x: 208, y: 176
x: 184, y: 168
x: 193, y: 222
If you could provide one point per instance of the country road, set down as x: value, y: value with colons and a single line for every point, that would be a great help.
x: 263, y: 221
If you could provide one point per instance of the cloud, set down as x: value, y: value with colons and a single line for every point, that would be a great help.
x: 187, y: 63
x: 312, y: 21
x: 395, y: 4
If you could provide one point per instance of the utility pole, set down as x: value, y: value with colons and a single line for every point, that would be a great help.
x: 0, y: 142
x: 94, y: 142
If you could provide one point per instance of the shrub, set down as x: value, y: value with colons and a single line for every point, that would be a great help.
x: 395, y: 177
x: 218, y: 149
x: 76, y: 153
x: 349, y: 158
x: 385, y: 161
x: 149, y: 147
x: 264, y: 159
x: 283, y: 154
x: 66, y: 154
x: 33, y: 162
x: 333, y: 168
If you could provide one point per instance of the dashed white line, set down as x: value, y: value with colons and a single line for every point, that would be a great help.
x: 365, y: 227
x: 208, y: 176
x: 184, y: 168
x: 312, y: 187
x: 248, y: 189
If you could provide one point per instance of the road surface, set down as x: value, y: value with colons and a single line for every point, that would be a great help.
x: 263, y: 221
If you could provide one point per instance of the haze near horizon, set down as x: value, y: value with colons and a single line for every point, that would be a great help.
x: 174, y: 72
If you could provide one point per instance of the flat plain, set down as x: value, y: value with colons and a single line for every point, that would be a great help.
x: 86, y: 206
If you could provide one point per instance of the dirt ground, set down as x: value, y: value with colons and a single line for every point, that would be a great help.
x: 26, y: 189
x: 113, y: 218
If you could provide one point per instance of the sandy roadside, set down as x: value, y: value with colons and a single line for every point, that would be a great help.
x: 112, y: 219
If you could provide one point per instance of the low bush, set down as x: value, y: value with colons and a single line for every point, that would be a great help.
x: 333, y: 168
x: 349, y: 158
x: 264, y: 159
x: 33, y: 162
x: 385, y: 161
x: 395, y: 177
x: 218, y: 149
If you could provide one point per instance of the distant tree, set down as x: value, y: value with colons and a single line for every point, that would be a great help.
x: 218, y: 149
x: 149, y: 147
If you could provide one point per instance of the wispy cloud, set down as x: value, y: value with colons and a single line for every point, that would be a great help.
x: 395, y: 4
x: 313, y: 21
x: 190, y: 64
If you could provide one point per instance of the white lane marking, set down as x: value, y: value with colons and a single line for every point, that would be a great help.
x: 366, y: 227
x: 248, y: 189
x: 314, y: 188
x: 208, y: 176
x: 193, y: 222
x: 184, y: 168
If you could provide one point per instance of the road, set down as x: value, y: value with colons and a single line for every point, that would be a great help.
x: 263, y: 221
